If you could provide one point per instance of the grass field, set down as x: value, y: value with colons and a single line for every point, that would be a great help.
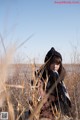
x: 16, y: 91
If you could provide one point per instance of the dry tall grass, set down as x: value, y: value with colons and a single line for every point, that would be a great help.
x: 73, y: 82
x: 18, y: 96
x: 4, y: 92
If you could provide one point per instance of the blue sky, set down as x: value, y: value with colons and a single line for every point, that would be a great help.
x: 52, y: 25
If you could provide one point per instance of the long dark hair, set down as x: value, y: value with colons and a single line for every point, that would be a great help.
x: 56, y: 60
x: 61, y: 71
x: 54, y: 56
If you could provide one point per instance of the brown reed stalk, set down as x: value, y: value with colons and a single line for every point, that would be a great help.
x: 3, y: 78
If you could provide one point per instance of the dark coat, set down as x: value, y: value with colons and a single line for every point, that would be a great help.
x: 62, y: 100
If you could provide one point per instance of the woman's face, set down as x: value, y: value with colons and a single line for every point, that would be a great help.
x: 54, y: 67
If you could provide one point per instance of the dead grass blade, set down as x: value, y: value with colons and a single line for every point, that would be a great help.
x: 14, y: 86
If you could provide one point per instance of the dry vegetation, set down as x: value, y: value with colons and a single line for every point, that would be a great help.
x: 18, y: 96
x: 73, y: 82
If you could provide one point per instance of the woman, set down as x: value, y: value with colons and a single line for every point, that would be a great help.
x: 53, y: 74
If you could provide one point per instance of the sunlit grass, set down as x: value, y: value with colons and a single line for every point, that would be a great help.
x: 17, y: 95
